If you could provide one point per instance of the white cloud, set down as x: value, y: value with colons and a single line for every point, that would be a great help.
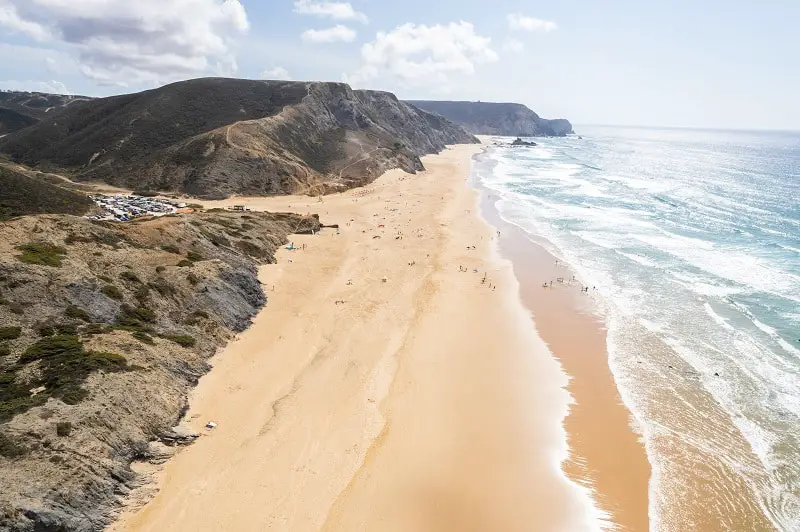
x: 126, y: 42
x: 514, y: 46
x: 334, y: 10
x: 10, y: 18
x: 337, y: 33
x: 277, y: 72
x: 414, y: 55
x: 52, y: 87
x: 521, y: 22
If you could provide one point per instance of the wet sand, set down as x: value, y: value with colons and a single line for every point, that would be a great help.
x: 605, y: 451
x: 697, y: 487
x: 386, y: 385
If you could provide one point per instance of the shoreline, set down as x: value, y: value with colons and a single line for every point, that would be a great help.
x: 437, y: 410
x: 606, y: 453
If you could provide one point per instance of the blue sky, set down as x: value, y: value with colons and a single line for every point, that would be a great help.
x: 732, y: 64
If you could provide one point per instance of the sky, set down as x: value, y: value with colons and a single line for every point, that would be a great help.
x: 712, y: 64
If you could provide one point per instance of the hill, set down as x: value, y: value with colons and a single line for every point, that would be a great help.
x: 22, y: 195
x: 215, y: 137
x: 507, y: 119
x: 105, y: 329
x: 11, y: 121
x: 19, y: 110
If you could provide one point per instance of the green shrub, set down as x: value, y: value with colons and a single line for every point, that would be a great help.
x: 53, y: 346
x: 10, y: 447
x: 10, y: 333
x: 185, y: 263
x: 112, y: 291
x: 16, y: 308
x: 41, y: 253
x: 64, y: 366
x: 142, y: 293
x: 63, y: 428
x: 4, y: 352
x: 46, y: 330
x: 73, y: 395
x: 130, y: 277
x: 93, y: 328
x: 183, y: 340
x: 143, y: 337
x: 106, y: 279
x: 193, y: 279
x: 194, y: 256
x: 136, y: 318
x: 162, y: 286
x: 66, y: 328
x: 160, y: 269
x: 76, y: 313
x: 170, y: 248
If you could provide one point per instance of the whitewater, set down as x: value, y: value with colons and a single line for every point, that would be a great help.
x: 691, y: 240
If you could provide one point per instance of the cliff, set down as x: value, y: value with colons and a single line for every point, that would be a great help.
x: 507, y: 119
x: 216, y: 137
x: 105, y: 328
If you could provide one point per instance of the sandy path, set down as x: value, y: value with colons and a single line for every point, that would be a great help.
x: 425, y: 402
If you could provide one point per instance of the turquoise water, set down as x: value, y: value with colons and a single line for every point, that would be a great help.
x: 692, y: 239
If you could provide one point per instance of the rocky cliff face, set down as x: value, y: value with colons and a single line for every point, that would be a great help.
x: 507, y: 119
x: 217, y: 137
x: 103, y: 330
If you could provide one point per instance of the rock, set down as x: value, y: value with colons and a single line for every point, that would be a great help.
x: 519, y: 142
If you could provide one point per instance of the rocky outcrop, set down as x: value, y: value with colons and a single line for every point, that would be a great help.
x: 105, y: 328
x: 217, y: 137
x: 506, y: 119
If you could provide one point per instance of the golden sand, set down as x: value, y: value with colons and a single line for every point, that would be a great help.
x: 382, y: 388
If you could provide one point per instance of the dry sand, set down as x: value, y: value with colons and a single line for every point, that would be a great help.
x: 422, y: 402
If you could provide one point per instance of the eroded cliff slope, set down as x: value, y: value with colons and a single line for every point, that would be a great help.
x: 104, y: 328
x: 216, y: 137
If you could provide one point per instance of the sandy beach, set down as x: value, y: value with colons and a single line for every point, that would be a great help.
x: 386, y: 386
x: 606, y: 451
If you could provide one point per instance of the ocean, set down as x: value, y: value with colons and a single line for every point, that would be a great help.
x: 690, y: 242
